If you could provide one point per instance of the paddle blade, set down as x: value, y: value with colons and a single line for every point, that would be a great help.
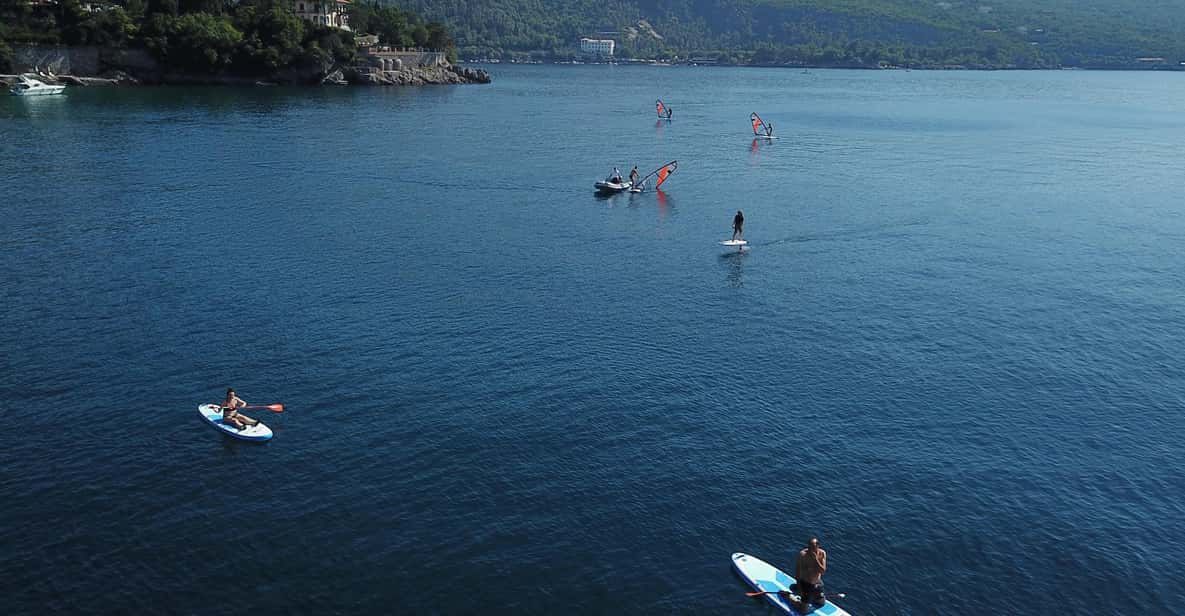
x: 279, y: 408
x: 758, y: 593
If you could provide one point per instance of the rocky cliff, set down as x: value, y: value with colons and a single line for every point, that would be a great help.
x: 101, y: 66
x: 417, y: 76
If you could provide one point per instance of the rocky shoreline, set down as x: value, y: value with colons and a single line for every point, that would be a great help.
x: 418, y: 76
x: 95, y: 66
x: 413, y: 76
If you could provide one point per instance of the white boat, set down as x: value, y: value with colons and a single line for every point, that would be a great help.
x: 32, y: 87
x: 613, y: 184
x: 610, y: 186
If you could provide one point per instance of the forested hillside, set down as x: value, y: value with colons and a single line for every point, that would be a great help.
x: 869, y: 33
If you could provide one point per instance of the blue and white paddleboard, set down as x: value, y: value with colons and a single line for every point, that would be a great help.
x: 764, y: 576
x: 212, y: 413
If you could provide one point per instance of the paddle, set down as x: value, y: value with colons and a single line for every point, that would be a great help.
x: 830, y: 595
x: 279, y: 408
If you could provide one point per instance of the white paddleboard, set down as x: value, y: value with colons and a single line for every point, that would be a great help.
x: 212, y: 413
x: 734, y: 243
x: 765, y: 136
x: 764, y: 576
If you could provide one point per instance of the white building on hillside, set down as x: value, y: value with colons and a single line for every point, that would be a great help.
x: 601, y: 47
x: 324, y: 12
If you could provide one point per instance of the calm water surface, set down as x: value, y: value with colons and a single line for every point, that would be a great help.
x: 952, y: 353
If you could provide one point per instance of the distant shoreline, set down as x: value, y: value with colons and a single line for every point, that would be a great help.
x: 1151, y: 68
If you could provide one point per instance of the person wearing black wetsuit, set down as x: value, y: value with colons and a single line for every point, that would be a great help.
x: 738, y: 222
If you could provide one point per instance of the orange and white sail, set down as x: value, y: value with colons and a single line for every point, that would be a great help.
x: 759, y: 126
x: 660, y: 108
x: 662, y: 173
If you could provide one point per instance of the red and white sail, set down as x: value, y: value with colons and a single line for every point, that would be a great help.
x: 662, y: 173
x: 759, y: 126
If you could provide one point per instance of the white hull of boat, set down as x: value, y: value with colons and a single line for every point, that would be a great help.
x: 612, y: 187
x: 32, y: 87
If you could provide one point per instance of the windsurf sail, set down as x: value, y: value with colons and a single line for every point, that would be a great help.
x: 662, y: 173
x: 759, y: 126
x: 660, y: 108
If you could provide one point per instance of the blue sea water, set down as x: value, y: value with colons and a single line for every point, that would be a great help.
x: 952, y: 353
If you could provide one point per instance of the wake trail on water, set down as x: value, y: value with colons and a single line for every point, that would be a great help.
x: 842, y: 235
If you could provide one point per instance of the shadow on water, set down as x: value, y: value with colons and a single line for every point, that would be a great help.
x: 734, y: 264
x: 610, y: 199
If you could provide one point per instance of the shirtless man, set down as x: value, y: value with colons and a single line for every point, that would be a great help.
x: 634, y: 176
x: 230, y: 413
x: 809, y: 570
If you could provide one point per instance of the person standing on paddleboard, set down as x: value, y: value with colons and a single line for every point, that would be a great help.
x: 230, y: 413
x: 738, y: 223
x: 809, y: 570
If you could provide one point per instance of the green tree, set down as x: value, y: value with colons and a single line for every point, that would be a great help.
x: 438, y: 37
x: 199, y: 42
x: 5, y: 56
x: 273, y: 37
x: 163, y: 7
x: 419, y: 35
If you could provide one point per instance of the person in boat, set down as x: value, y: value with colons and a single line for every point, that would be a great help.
x: 808, y: 571
x: 634, y: 175
x: 615, y: 177
x: 738, y: 223
x: 230, y: 411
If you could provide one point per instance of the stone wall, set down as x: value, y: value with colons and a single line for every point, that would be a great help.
x: 81, y: 61
x: 55, y: 59
x: 378, y: 58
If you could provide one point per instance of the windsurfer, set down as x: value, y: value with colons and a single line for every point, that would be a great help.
x: 769, y: 130
x: 738, y: 222
x: 634, y: 176
x: 668, y: 113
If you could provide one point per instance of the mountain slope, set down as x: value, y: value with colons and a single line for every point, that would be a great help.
x: 987, y: 33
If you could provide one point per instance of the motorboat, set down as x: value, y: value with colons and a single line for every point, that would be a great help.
x: 28, y: 86
x: 613, y: 183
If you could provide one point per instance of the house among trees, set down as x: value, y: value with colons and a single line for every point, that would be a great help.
x: 325, y: 12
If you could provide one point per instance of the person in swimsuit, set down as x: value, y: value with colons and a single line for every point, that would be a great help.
x: 738, y: 222
x: 634, y: 176
x: 230, y: 411
x: 808, y: 570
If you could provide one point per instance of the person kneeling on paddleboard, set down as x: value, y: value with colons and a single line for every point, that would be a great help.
x: 809, y: 570
x: 738, y: 222
x: 230, y: 413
